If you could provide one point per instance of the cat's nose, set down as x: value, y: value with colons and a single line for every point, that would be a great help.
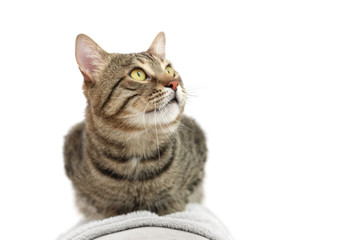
x: 172, y: 84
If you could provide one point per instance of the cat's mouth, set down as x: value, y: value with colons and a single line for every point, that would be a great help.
x: 164, y: 112
x: 172, y: 101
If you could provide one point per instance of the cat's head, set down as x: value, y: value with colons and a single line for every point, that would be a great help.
x: 131, y: 90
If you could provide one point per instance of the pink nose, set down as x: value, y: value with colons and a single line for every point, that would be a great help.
x: 172, y: 84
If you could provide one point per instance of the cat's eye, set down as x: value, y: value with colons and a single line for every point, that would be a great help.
x: 138, y: 74
x: 169, y: 71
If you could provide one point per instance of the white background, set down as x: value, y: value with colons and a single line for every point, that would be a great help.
x: 275, y: 85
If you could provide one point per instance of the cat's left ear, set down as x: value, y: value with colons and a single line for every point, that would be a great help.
x: 157, y: 47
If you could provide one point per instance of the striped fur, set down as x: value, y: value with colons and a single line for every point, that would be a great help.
x: 135, y: 149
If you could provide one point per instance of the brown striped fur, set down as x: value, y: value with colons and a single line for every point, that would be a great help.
x: 135, y: 149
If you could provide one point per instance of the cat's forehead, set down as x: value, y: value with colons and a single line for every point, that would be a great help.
x: 142, y: 60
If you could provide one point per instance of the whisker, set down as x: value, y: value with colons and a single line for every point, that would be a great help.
x: 169, y: 127
x: 164, y: 130
x: 185, y: 127
x: 157, y: 136
x: 193, y: 90
x: 196, y: 85
x: 192, y: 95
x: 144, y: 112
x: 174, y: 133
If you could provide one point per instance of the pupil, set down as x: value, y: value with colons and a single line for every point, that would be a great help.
x: 138, y: 73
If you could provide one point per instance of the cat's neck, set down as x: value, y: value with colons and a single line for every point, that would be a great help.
x: 138, y: 141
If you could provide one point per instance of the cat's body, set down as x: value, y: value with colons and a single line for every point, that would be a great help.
x: 135, y: 150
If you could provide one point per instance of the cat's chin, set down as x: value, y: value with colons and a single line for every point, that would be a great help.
x: 165, y: 115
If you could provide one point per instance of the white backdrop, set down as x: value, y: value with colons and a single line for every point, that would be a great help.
x: 275, y: 85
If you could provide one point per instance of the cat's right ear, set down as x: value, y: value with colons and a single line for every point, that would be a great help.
x: 90, y: 57
x: 157, y: 47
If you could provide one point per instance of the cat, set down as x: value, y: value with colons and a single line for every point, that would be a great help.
x: 135, y: 150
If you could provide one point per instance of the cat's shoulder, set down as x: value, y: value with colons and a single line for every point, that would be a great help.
x: 189, y: 121
x: 190, y: 125
x: 72, y: 148
x: 75, y: 130
x: 193, y: 136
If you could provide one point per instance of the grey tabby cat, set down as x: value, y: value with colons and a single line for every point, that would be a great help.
x: 135, y: 150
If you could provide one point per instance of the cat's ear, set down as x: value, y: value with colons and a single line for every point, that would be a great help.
x: 157, y: 47
x: 90, y: 57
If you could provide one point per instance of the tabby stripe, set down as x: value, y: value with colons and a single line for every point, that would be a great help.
x: 130, y: 89
x: 163, y: 194
x: 98, y: 136
x: 124, y: 104
x: 148, y: 56
x: 107, y: 141
x: 191, y: 187
x: 143, y: 175
x: 111, y: 92
x: 71, y: 168
x: 140, y: 60
x: 155, y: 157
x: 124, y: 159
x: 120, y: 159
x: 104, y: 170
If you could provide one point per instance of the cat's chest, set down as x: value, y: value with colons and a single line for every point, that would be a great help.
x: 148, y: 191
x: 139, y: 174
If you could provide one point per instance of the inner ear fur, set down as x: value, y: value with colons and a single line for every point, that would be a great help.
x: 90, y: 57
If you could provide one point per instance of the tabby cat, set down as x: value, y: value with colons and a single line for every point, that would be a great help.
x: 135, y: 150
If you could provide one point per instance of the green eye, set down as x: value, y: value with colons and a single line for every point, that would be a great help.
x: 169, y: 71
x: 138, y: 74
